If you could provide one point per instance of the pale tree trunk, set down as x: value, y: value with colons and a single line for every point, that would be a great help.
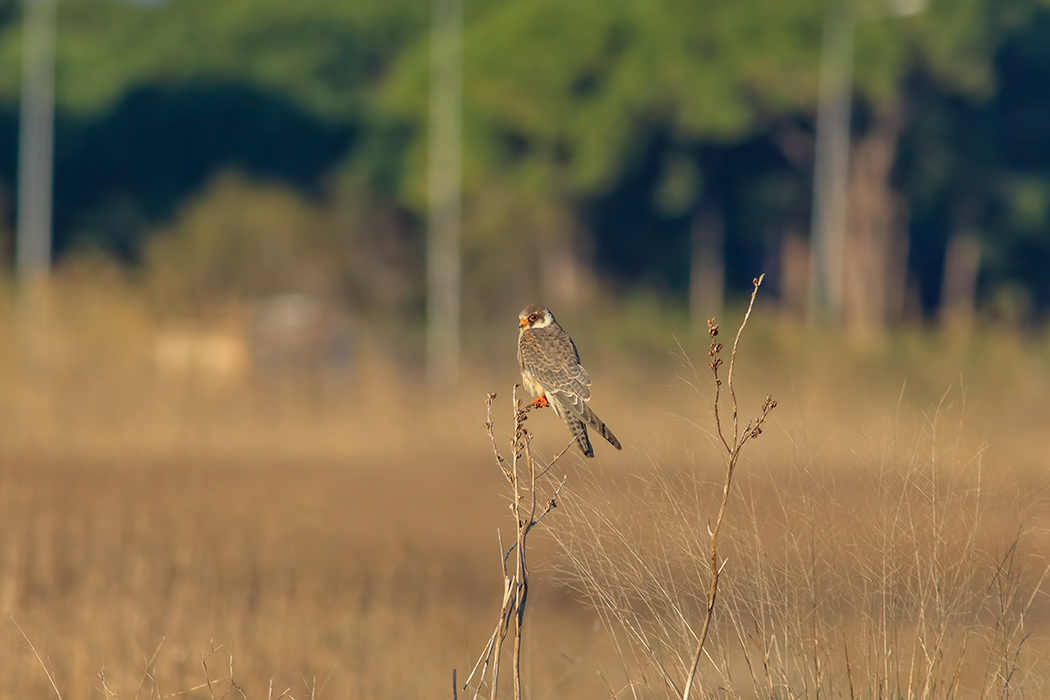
x: 566, y: 277
x: 875, y: 260
x: 7, y: 236
x: 794, y: 273
x: 707, y: 266
x: 445, y: 194
x: 831, y: 166
x: 959, y: 287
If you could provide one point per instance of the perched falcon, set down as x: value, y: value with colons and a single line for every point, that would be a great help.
x: 551, y: 371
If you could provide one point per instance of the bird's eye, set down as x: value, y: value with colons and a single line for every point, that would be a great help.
x: 532, y: 318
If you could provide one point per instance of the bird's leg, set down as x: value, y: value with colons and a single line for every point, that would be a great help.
x: 541, y: 402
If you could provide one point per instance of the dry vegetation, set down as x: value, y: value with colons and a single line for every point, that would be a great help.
x: 336, y: 535
x: 918, y: 577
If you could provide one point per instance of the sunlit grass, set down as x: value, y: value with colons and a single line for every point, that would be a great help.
x: 343, y: 526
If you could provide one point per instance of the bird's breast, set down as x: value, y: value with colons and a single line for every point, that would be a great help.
x: 534, y: 387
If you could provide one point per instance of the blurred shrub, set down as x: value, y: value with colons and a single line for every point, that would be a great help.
x: 243, y: 249
x: 384, y: 253
x: 241, y: 240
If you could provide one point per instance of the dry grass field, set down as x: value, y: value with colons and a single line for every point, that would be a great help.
x: 336, y: 537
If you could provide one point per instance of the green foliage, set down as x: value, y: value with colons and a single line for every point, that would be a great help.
x: 324, y: 54
x: 572, y: 88
x: 562, y: 96
x: 569, y: 108
x: 679, y: 185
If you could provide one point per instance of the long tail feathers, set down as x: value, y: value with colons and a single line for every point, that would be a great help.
x: 602, y: 429
x: 578, y: 415
x: 577, y: 427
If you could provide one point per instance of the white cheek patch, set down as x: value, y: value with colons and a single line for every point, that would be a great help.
x: 542, y: 322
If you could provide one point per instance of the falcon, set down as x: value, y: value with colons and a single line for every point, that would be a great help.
x: 551, y: 371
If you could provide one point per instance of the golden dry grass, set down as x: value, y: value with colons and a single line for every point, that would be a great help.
x: 920, y: 578
x: 345, y: 530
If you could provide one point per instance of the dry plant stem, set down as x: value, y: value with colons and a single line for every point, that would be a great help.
x: 521, y: 573
x: 270, y: 694
x: 147, y: 673
x: 32, y: 648
x: 233, y: 683
x: 753, y: 429
x: 105, y: 688
x: 207, y: 677
x: 527, y: 511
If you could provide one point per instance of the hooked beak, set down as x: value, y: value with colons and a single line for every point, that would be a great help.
x: 523, y: 322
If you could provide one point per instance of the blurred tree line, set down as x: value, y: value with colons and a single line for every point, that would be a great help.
x: 610, y: 146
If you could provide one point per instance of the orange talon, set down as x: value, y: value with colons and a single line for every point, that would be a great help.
x: 541, y: 402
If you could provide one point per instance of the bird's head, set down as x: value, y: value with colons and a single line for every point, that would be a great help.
x: 535, y: 316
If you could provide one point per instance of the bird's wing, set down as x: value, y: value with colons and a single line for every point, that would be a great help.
x: 551, y: 358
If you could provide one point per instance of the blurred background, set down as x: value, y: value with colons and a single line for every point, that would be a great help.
x: 260, y: 262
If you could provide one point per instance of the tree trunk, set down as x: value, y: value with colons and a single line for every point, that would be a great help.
x: 445, y: 194
x: 707, y: 266
x: 831, y: 167
x: 566, y: 276
x: 876, y: 255
x: 959, y: 287
x: 794, y: 273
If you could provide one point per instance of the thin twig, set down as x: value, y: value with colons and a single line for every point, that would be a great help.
x: 50, y: 677
x: 146, y: 671
x: 557, y: 457
x: 757, y: 282
x: 488, y: 427
x: 204, y: 663
x: 716, y: 348
x: 105, y: 688
x: 202, y: 685
x: 233, y: 683
x: 521, y: 577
